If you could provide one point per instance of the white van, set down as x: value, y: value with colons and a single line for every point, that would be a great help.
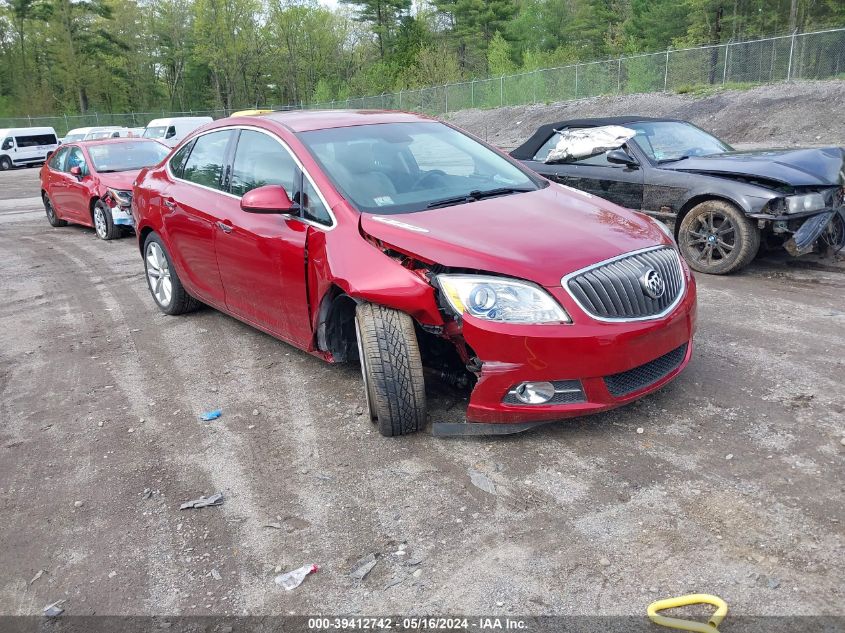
x: 172, y: 130
x: 109, y: 131
x: 77, y: 134
x: 20, y: 146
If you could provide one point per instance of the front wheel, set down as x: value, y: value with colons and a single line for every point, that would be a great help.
x: 5, y: 163
x: 104, y: 222
x: 391, y: 368
x: 164, y: 284
x: 716, y: 238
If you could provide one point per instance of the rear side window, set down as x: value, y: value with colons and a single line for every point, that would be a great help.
x: 261, y: 160
x: 35, y: 140
x: 177, y: 163
x: 57, y: 160
x: 205, y: 164
x: 171, y: 132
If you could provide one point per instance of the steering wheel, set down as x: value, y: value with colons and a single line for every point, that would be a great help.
x: 429, y: 174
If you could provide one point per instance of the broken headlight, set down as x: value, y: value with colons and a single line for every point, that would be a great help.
x: 122, y: 198
x: 500, y: 299
x: 806, y: 202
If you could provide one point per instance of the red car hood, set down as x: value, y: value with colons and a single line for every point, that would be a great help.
x: 540, y: 236
x: 120, y: 179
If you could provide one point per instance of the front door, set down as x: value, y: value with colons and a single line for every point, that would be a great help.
x: 621, y: 184
x: 262, y: 256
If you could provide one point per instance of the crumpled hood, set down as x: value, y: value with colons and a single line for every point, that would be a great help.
x: 795, y: 167
x: 540, y: 235
x: 120, y: 179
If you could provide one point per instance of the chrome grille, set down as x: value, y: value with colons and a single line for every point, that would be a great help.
x: 613, y: 291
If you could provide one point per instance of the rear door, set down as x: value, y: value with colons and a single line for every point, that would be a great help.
x: 262, y: 256
x: 55, y: 178
x: 190, y: 208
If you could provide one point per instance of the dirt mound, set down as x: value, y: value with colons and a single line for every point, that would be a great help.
x: 786, y: 114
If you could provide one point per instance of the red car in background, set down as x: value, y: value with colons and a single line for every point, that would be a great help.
x: 401, y: 241
x: 90, y: 182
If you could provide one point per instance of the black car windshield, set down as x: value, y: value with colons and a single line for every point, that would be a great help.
x: 126, y: 156
x: 665, y: 141
x: 403, y: 167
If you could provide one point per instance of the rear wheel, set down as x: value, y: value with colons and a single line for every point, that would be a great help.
x: 716, y: 238
x: 52, y: 218
x: 164, y: 284
x: 391, y: 368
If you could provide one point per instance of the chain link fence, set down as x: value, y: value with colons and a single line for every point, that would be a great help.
x: 815, y: 55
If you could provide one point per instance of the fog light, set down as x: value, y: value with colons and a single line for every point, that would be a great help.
x: 534, y: 392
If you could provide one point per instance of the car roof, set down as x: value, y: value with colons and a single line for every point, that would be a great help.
x: 529, y: 148
x: 308, y: 120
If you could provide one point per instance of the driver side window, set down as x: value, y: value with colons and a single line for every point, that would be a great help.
x: 75, y: 158
x: 8, y: 143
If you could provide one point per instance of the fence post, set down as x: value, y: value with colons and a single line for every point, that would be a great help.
x: 727, y: 59
x: 472, y: 94
x: 446, y: 97
x: 618, y: 75
x: 67, y: 126
x: 502, y: 91
x: 666, y: 72
x: 791, y: 50
x: 576, y: 81
x: 400, y: 98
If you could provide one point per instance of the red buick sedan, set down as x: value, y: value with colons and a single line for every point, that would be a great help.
x: 402, y: 242
x: 90, y: 182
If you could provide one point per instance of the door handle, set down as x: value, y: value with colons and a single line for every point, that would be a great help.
x: 170, y: 203
x: 224, y: 227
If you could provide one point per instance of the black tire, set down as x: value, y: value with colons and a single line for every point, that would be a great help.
x: 159, y: 267
x: 5, y: 163
x: 391, y: 368
x: 716, y: 238
x: 52, y: 218
x: 104, y: 225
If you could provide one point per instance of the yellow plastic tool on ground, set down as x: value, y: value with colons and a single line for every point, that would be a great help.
x: 711, y: 626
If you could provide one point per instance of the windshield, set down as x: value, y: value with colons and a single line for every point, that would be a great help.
x: 71, y: 138
x: 104, y: 134
x: 665, y: 141
x: 155, y: 132
x: 402, y: 167
x: 126, y: 156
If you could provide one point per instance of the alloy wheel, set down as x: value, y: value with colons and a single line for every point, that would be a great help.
x: 158, y: 274
x: 711, y: 238
x: 100, y: 224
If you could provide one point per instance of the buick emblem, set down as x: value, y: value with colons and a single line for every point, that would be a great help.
x: 653, y: 284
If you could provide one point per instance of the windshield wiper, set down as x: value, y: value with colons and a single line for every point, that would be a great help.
x: 477, y: 194
x: 672, y: 160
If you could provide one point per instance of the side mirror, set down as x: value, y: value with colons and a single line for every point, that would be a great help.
x: 76, y: 170
x: 268, y: 199
x: 621, y: 157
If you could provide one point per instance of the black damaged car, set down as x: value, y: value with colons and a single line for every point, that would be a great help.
x: 724, y: 203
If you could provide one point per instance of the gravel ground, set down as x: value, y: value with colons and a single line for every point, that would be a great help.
x: 728, y: 481
x: 777, y: 115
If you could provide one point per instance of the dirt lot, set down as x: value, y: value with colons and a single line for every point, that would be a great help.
x: 734, y: 486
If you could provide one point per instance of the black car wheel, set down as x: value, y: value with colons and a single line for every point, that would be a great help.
x: 52, y: 218
x: 391, y: 368
x: 5, y: 163
x: 716, y: 238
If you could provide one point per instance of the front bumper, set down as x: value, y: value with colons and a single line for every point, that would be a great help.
x: 589, y: 351
x: 122, y: 216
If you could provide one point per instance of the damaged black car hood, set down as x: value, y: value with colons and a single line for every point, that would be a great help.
x: 793, y: 167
